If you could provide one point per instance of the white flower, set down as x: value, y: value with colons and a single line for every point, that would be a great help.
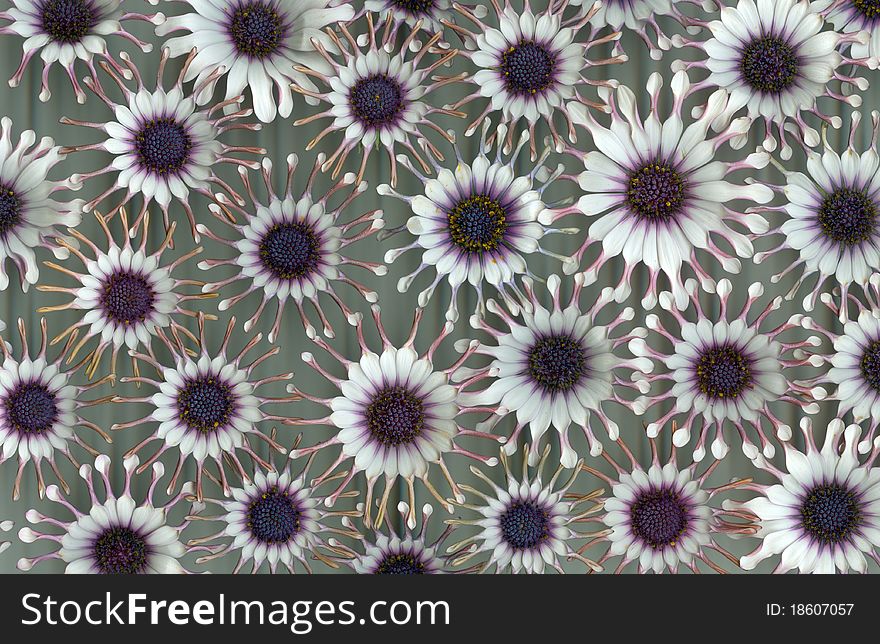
x: 294, y: 246
x: 557, y: 367
x: 533, y: 65
x: 527, y: 523
x: 256, y: 43
x: 116, y: 536
x: 275, y: 519
x: 832, y: 218
x: 776, y: 58
x: 660, y: 194
x: 823, y: 515
x: 206, y: 405
x: 163, y: 145
x: 659, y: 517
x: 64, y: 31
x: 476, y: 224
x: 29, y: 215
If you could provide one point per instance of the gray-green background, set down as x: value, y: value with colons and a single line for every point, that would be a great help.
x: 280, y: 139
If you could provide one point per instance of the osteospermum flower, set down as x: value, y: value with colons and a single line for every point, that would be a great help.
x: 124, y: 295
x: 478, y: 222
x: 293, y: 246
x: 64, y: 31
x: 117, y: 534
x: 206, y: 406
x: 853, y: 16
x: 533, y: 65
x: 659, y: 193
x: 640, y: 17
x: 832, y: 218
x: 258, y: 43
x: 723, y: 372
x: 29, y: 215
x: 378, y: 95
x: 396, y: 416
x: 434, y: 16
x: 40, y: 410
x: 275, y: 518
x: 527, y: 523
x: 777, y: 60
x: 387, y: 552
x: 662, y: 517
x: 557, y: 367
x: 823, y: 514
x: 163, y: 146
x: 853, y: 380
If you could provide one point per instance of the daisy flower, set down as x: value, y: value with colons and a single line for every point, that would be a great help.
x: 207, y: 406
x: 292, y: 247
x: 853, y: 379
x: 555, y: 367
x: 476, y: 223
x: 776, y: 60
x: 64, y: 31
x: 162, y: 145
x: 823, y: 514
x: 387, y: 552
x: 275, y: 518
x: 434, y: 16
x: 658, y: 194
x: 41, y: 409
x: 117, y: 535
x: 724, y: 370
x: 29, y: 215
x: 378, y: 95
x: 124, y: 294
x: 257, y: 43
x: 397, y: 415
x: 830, y: 217
x: 533, y: 65
x: 640, y: 17
x: 853, y: 16
x: 664, y: 516
x: 527, y: 523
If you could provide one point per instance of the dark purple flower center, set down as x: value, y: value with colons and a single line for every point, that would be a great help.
x: 659, y: 517
x: 557, y: 362
x: 256, y: 29
x: 376, y: 100
x: 870, y: 365
x: 290, y: 250
x: 404, y: 563
x: 10, y: 210
x: 723, y: 372
x: 128, y: 298
x: 121, y: 551
x: 769, y: 64
x: 205, y: 403
x: 395, y: 416
x: 831, y: 513
x: 528, y: 68
x: 848, y: 216
x: 68, y: 21
x: 525, y: 525
x: 163, y: 146
x: 274, y: 517
x: 656, y: 192
x: 868, y: 8
x: 477, y: 224
x: 31, y: 408
x: 415, y: 7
